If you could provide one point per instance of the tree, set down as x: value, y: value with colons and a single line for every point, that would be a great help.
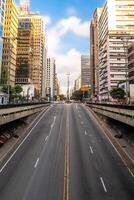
x: 14, y: 92
x: 18, y: 89
x: 117, y: 93
x: 62, y: 97
x: 77, y: 95
x: 4, y: 89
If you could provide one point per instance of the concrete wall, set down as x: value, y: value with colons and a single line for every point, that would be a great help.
x: 12, y: 114
x: 120, y: 114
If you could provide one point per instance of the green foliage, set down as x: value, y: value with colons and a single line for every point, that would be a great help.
x: 4, y: 89
x: 14, y: 92
x: 117, y: 93
x: 77, y: 95
x: 62, y: 97
x: 18, y: 89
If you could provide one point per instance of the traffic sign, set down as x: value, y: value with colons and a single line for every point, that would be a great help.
x: 84, y: 88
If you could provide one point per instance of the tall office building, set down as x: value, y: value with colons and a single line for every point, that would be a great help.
x: 2, y: 13
x: 94, y: 52
x: 85, y: 70
x: 131, y: 70
x: 32, y: 36
x: 37, y: 51
x: 43, y: 89
x: 10, y: 43
x: 116, y: 28
x: 24, y: 51
x: 50, y: 77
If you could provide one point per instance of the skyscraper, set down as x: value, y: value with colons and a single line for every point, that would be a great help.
x: 37, y: 51
x: 94, y: 52
x: 24, y: 51
x: 10, y: 43
x: 116, y: 28
x: 85, y: 70
x: 2, y: 13
x: 31, y: 57
x: 50, y: 77
x: 131, y: 70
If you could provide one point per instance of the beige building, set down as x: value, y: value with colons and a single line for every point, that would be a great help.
x: 116, y: 28
x: 10, y: 43
x: 24, y: 51
x: 131, y: 70
x: 2, y: 14
x: 94, y: 52
x: 37, y: 51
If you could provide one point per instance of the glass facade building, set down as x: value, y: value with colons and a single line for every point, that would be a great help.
x: 2, y: 12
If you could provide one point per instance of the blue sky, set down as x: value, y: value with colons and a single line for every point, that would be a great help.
x: 67, y: 32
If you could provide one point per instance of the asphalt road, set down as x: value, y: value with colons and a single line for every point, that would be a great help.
x: 36, y: 171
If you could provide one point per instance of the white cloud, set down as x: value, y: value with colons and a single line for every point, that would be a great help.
x: 74, y: 25
x: 69, y: 62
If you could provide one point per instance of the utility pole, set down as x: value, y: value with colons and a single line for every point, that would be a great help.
x: 68, y: 85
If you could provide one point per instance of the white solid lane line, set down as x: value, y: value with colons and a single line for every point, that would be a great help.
x: 85, y: 132
x: 103, y: 184
x: 37, y: 161
x: 21, y: 143
x: 52, y: 125
x: 46, y: 138
x: 91, y: 150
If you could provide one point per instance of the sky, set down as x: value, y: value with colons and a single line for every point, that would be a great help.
x: 67, y: 29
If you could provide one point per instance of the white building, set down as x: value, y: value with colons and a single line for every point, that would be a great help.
x: 50, y: 77
x: 85, y: 70
x: 28, y: 91
x: 77, y: 85
x: 116, y: 27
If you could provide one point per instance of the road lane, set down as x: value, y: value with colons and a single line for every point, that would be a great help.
x: 96, y: 171
x: 15, y: 179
